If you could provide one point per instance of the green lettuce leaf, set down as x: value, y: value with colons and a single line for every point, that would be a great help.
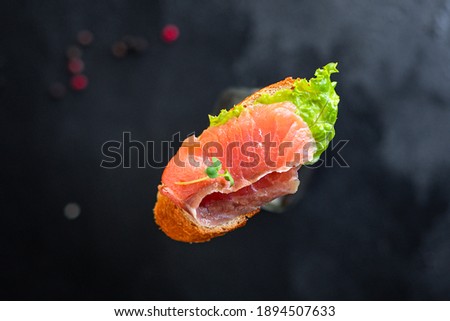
x: 316, y: 101
x: 225, y: 115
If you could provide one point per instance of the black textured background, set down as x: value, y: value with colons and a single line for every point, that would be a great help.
x: 377, y: 230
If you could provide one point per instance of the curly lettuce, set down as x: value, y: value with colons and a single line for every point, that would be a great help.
x: 316, y: 101
x: 225, y: 115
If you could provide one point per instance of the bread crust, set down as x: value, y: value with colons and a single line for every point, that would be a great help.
x: 178, y: 224
x: 287, y: 83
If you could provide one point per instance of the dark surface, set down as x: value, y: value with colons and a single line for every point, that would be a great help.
x: 376, y: 230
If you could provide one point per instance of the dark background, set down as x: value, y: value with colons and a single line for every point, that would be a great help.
x: 377, y: 230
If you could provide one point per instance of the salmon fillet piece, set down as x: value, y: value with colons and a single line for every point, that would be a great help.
x: 262, y: 149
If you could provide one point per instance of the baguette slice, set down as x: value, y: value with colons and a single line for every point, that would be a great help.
x: 179, y: 224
